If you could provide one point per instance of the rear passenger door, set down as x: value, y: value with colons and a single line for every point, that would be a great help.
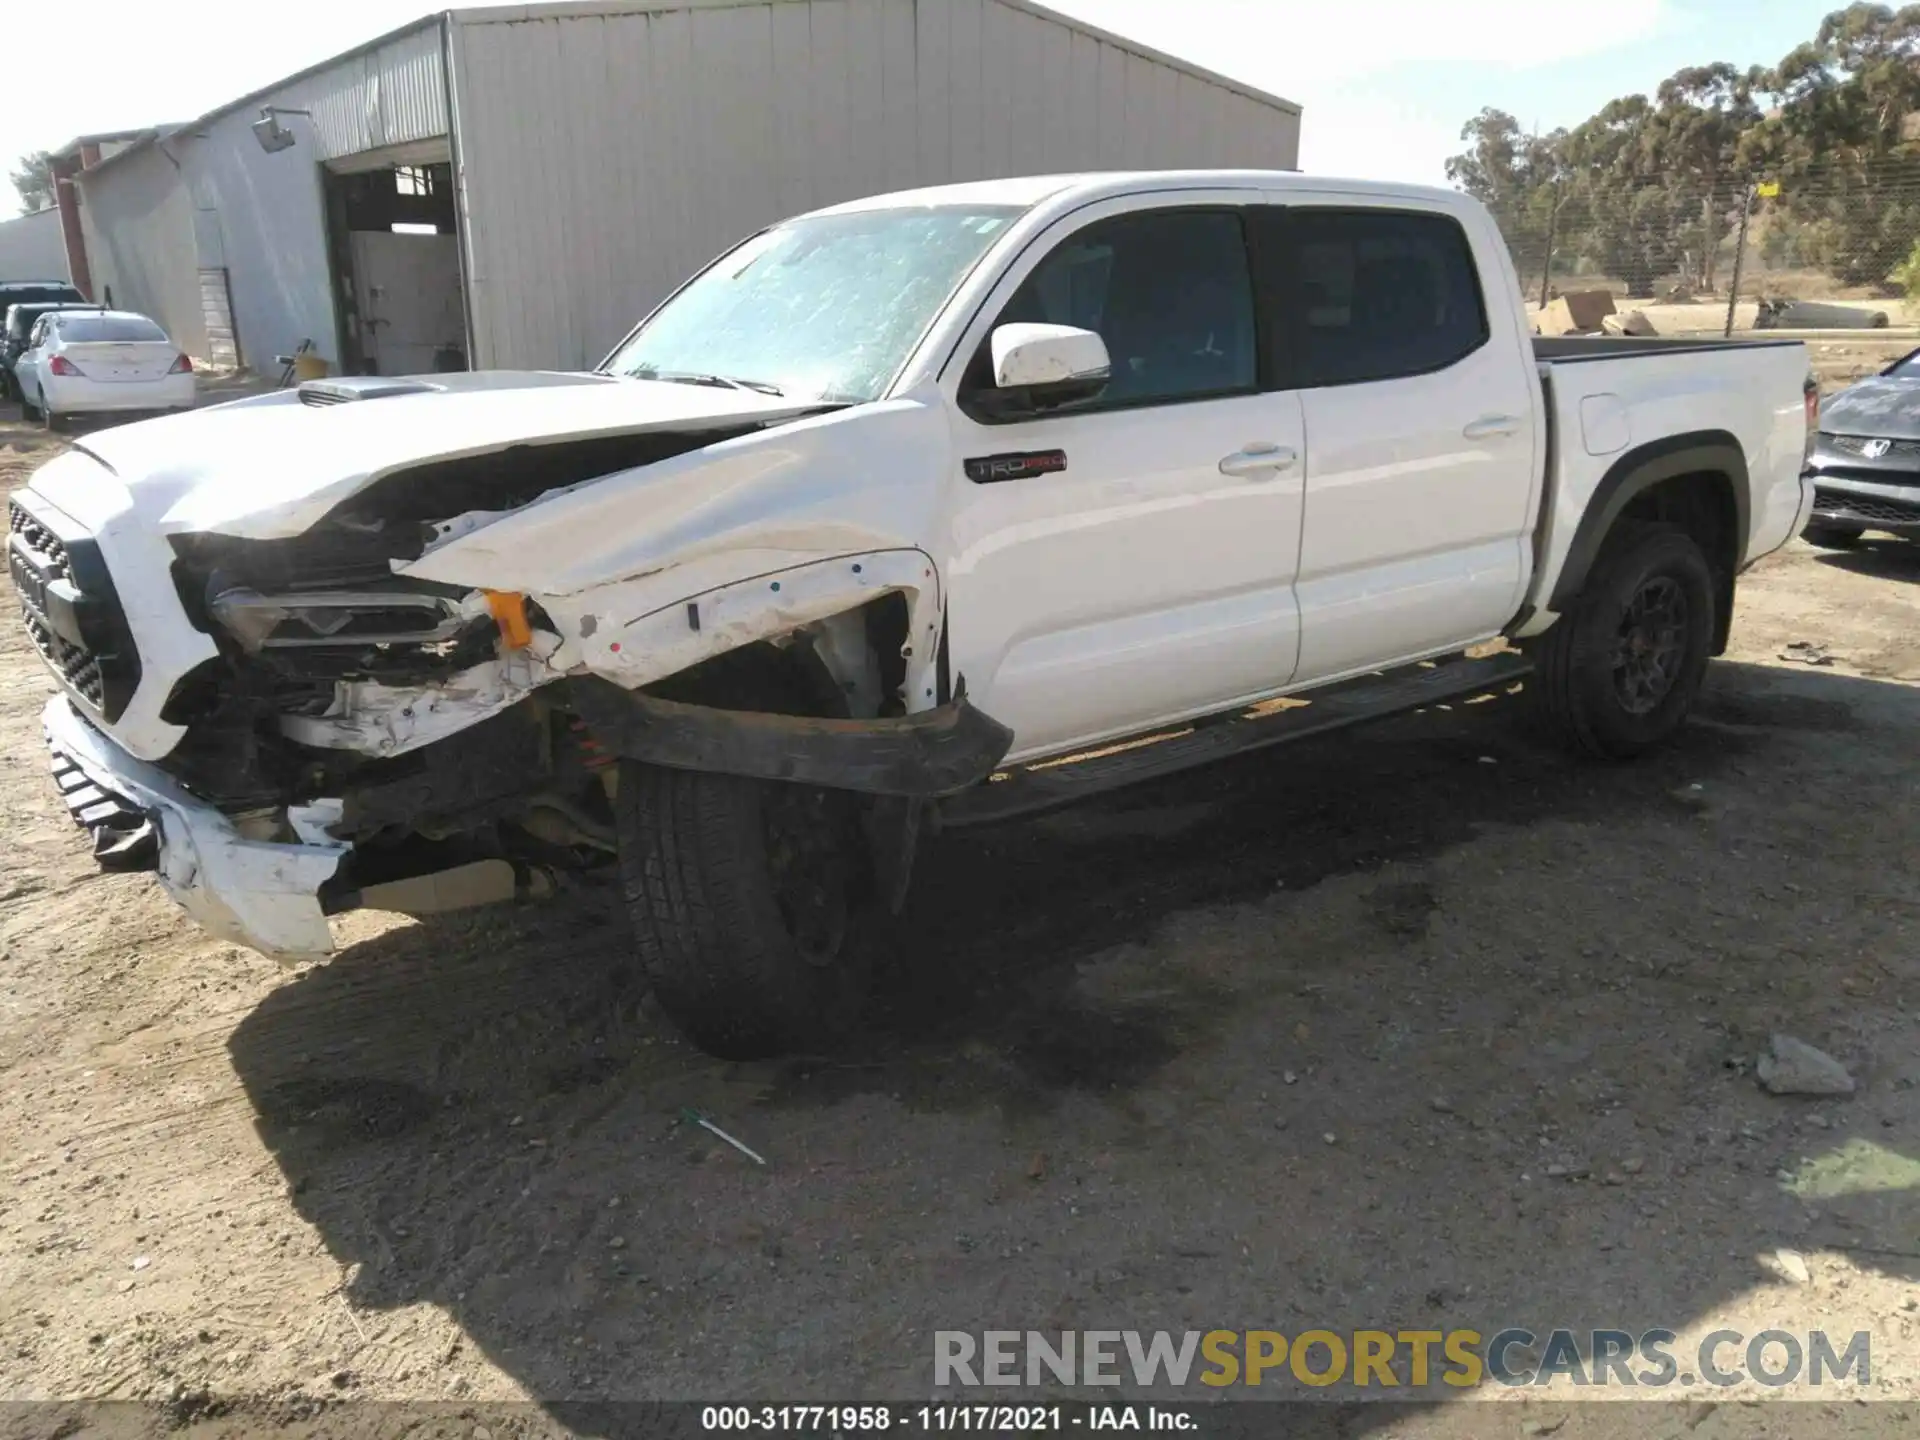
x: 1421, y: 452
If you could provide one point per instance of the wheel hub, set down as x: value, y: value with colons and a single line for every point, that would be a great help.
x: 808, y: 861
x: 1650, y: 645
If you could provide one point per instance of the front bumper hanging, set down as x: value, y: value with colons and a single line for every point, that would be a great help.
x: 251, y: 892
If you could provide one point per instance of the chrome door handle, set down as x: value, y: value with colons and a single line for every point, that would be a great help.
x: 1488, y: 426
x: 1258, y: 459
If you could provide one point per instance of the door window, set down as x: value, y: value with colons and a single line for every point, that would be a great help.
x: 1171, y: 292
x: 1377, y: 294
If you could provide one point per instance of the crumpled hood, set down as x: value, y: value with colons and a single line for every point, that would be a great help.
x: 1883, y: 405
x: 271, y: 466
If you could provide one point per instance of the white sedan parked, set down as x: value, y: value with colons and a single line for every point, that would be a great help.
x: 82, y: 362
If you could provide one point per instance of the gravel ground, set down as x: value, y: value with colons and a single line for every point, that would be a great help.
x: 1423, y: 1027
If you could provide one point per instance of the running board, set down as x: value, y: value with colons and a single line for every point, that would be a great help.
x: 1027, y: 790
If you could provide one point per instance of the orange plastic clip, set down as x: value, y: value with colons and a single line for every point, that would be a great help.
x: 509, y: 609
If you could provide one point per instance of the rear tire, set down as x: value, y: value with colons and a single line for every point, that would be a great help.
x: 1833, y: 537
x: 1621, y: 667
x: 743, y: 896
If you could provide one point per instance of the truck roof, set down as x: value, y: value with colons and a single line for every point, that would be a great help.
x: 1030, y: 190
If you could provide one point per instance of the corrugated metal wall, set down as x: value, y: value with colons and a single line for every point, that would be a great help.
x: 137, y: 217
x: 229, y: 205
x: 606, y: 156
x: 387, y: 96
x: 31, y: 247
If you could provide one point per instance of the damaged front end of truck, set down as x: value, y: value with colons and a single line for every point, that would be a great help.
x: 431, y: 695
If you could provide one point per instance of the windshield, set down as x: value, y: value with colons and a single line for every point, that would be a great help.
x: 826, y: 308
x: 92, y: 331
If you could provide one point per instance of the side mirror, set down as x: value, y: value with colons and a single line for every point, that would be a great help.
x: 1042, y: 367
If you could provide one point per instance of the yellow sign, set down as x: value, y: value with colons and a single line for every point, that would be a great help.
x: 1767, y: 189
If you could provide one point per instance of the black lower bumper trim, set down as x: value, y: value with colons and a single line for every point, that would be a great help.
x: 125, y: 836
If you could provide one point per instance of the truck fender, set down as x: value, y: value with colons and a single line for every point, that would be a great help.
x: 1636, y: 472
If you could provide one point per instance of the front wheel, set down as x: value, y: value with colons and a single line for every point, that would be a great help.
x: 744, y: 897
x: 1619, y: 670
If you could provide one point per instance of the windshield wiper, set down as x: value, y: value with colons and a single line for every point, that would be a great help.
x: 721, y: 382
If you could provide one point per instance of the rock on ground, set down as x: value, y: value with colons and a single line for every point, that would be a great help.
x: 1793, y: 1067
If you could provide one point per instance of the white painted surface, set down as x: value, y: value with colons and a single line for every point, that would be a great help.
x: 409, y: 299
x: 32, y: 247
x: 1416, y: 535
x: 141, y: 244
x: 610, y: 150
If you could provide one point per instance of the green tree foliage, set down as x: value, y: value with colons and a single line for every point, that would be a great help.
x: 1653, y: 185
x: 34, y: 181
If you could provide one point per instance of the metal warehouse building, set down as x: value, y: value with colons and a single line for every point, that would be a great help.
x: 517, y: 186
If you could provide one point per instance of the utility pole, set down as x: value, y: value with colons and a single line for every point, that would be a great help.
x: 1739, y: 257
x: 1553, y: 225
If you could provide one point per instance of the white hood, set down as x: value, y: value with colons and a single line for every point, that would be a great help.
x: 271, y: 467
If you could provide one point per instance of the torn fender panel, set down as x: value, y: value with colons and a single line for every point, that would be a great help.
x: 627, y: 634
x: 870, y: 477
x: 934, y: 752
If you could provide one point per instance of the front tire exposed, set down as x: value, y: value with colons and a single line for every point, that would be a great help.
x: 744, y: 901
x: 1620, y: 669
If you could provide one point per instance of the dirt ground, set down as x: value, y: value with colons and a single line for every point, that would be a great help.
x: 1423, y: 1027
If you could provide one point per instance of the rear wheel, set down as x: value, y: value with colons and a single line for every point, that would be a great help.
x: 1833, y: 537
x: 744, y: 896
x: 1619, y: 670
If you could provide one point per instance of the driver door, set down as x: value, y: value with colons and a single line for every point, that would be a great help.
x: 1129, y: 561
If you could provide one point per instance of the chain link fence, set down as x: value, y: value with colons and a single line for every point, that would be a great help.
x: 1830, y: 246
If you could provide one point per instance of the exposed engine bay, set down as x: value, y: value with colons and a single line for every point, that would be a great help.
x: 420, y: 707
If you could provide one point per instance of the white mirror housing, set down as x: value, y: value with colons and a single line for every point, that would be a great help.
x: 1047, y: 357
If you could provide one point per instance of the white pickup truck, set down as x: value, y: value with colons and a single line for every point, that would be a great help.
x: 930, y: 509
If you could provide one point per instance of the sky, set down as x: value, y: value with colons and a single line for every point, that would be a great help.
x: 1385, y: 84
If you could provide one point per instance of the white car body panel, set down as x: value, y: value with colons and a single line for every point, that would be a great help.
x: 1140, y: 586
x: 264, y: 472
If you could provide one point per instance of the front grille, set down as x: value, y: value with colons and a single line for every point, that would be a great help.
x: 1869, y: 508
x: 1857, y: 445
x: 40, y: 540
x: 68, y: 605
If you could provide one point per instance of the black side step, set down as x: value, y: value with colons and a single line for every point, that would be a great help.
x: 1026, y: 790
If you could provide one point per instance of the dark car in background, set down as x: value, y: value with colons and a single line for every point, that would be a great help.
x: 16, y: 324
x: 1866, y: 459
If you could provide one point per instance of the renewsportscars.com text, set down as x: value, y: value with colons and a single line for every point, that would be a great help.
x: 1388, y: 1359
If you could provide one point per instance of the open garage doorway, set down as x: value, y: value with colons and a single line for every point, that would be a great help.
x: 395, y: 250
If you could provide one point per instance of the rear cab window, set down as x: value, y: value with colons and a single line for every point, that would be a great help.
x: 1376, y: 295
